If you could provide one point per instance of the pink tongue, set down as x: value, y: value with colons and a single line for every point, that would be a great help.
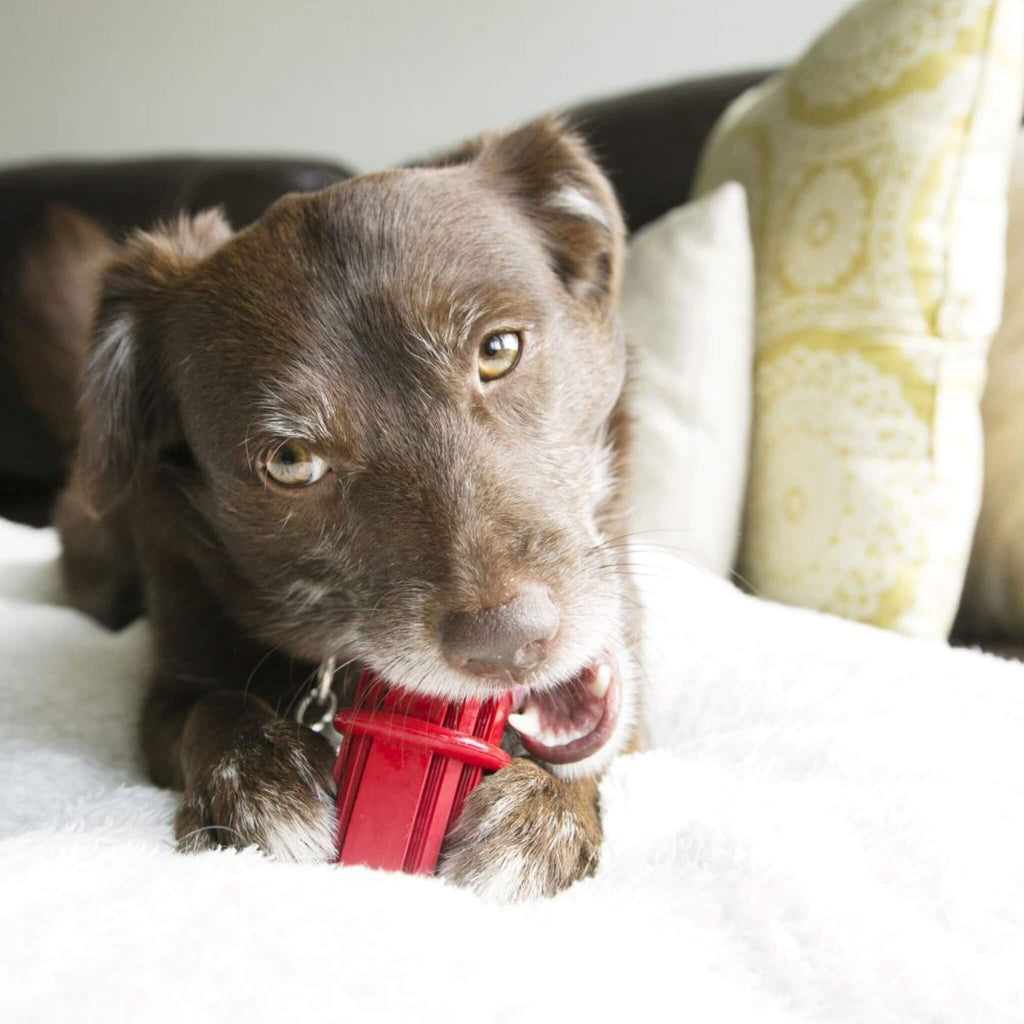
x: 569, y: 723
x: 571, y: 710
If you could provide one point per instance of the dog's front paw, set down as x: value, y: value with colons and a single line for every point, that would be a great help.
x: 273, y: 790
x: 524, y: 834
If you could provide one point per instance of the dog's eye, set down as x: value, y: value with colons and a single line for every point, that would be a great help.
x: 293, y: 464
x: 498, y: 354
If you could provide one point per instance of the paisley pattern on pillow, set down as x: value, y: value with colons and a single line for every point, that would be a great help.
x: 876, y: 172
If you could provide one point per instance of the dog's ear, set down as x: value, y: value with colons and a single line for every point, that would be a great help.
x: 548, y: 170
x: 123, y: 405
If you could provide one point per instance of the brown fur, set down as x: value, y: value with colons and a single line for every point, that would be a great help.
x: 354, y: 314
x: 524, y: 816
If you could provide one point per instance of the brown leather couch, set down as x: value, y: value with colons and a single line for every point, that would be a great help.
x: 649, y: 142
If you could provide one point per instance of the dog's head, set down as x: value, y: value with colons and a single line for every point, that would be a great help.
x: 391, y: 411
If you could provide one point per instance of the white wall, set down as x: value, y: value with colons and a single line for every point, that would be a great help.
x: 369, y: 82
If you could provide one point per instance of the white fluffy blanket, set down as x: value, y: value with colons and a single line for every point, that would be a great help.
x: 831, y: 829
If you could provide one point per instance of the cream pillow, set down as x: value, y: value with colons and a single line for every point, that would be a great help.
x: 688, y: 306
x: 876, y: 173
x: 993, y: 602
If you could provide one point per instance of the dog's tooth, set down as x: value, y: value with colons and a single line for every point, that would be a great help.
x: 526, y: 721
x: 598, y: 686
x: 561, y: 737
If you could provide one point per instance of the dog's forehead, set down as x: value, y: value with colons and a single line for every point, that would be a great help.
x: 385, y: 257
x: 397, y: 271
x: 413, y: 212
x: 420, y: 239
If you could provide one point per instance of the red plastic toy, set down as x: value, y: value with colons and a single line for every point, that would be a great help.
x: 404, y: 770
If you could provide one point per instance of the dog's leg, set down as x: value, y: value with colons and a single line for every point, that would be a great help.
x: 524, y: 834
x: 250, y: 777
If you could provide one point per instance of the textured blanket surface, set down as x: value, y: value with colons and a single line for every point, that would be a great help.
x: 830, y: 827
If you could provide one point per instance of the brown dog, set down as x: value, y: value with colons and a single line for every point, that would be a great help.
x: 382, y: 425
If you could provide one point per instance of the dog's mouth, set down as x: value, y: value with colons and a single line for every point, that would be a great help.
x: 573, y: 720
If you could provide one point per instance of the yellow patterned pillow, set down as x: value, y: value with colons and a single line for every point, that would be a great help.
x: 876, y: 171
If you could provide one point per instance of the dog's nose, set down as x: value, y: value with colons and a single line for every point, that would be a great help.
x: 504, y: 640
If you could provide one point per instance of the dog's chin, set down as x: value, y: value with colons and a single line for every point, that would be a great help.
x: 575, y: 722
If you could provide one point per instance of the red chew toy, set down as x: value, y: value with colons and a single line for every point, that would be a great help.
x: 404, y: 770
